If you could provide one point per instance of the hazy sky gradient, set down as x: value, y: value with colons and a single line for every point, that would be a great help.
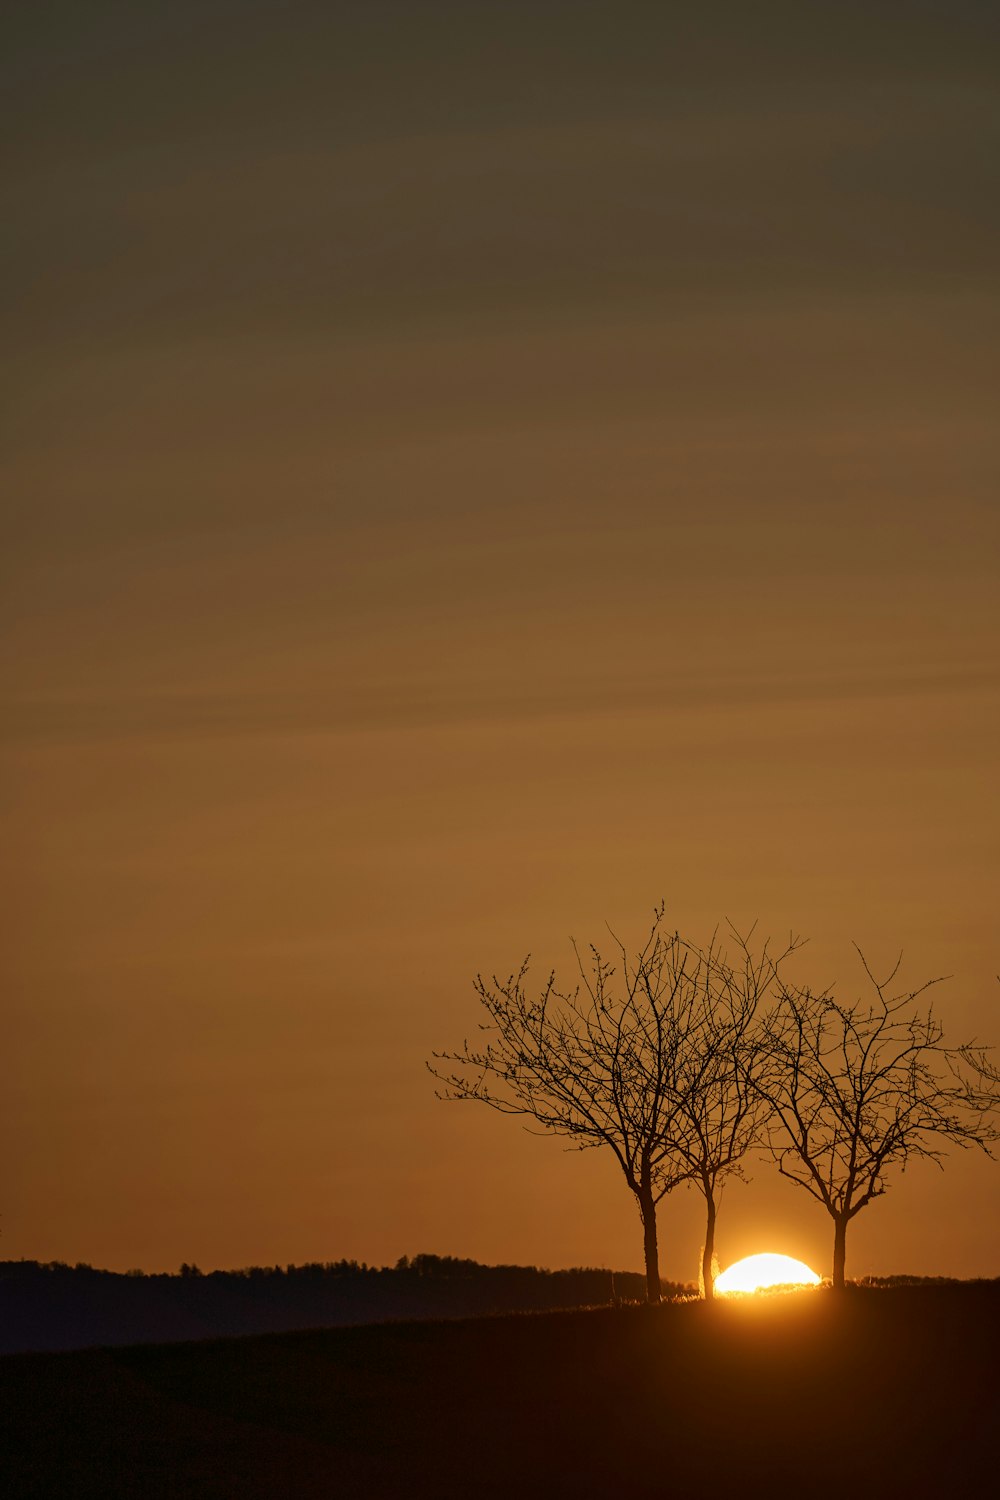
x: 469, y: 472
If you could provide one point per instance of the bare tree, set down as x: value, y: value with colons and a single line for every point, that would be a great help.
x: 721, y: 1113
x: 612, y: 1063
x: 856, y: 1091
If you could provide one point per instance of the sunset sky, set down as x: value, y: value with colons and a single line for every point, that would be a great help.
x: 470, y: 471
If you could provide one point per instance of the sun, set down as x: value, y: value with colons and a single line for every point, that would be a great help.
x: 758, y: 1272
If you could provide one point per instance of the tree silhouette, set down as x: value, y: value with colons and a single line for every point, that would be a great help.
x: 855, y: 1091
x: 721, y: 1112
x: 640, y: 1056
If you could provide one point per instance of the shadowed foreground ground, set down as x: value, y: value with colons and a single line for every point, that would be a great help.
x: 878, y: 1393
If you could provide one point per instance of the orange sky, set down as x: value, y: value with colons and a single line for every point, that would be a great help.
x: 464, y: 481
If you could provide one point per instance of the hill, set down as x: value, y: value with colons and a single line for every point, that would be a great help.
x: 877, y: 1392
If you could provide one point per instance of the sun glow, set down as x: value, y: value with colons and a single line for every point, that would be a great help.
x: 758, y: 1272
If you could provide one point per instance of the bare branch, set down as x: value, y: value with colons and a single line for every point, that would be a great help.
x: 856, y: 1091
x: 651, y: 1055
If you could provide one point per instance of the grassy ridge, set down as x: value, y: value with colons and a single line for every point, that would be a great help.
x: 879, y: 1392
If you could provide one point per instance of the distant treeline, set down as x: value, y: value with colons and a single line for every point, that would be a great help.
x: 57, y: 1306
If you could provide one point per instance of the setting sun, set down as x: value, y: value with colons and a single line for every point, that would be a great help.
x: 759, y: 1272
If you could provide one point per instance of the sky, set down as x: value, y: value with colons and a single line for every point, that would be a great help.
x: 471, y: 472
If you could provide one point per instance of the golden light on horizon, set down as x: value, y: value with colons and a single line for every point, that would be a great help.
x: 757, y: 1273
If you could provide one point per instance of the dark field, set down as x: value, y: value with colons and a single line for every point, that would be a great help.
x: 880, y: 1392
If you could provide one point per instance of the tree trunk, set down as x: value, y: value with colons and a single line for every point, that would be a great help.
x: 708, y: 1254
x: 647, y: 1210
x: 840, y: 1223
